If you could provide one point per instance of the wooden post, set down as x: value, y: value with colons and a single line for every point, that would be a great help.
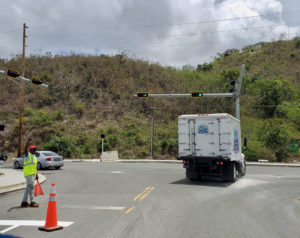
x: 22, y: 93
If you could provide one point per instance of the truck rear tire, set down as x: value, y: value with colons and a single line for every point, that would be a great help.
x: 242, y: 171
x: 190, y: 175
x: 230, y: 172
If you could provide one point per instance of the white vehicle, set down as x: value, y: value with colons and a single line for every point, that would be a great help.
x: 210, y: 145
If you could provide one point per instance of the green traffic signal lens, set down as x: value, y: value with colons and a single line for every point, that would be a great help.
x: 142, y: 95
x: 197, y: 94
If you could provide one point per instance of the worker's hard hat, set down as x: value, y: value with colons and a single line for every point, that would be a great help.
x: 32, y: 147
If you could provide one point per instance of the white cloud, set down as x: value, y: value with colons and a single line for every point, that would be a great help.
x: 165, y: 31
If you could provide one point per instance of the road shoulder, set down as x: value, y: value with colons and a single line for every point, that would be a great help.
x: 12, y: 180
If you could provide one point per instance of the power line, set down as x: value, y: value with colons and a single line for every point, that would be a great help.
x: 14, y: 30
x: 91, y: 37
x: 173, y: 24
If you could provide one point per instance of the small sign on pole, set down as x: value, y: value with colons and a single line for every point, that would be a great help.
x: 102, y: 138
x: 294, y: 147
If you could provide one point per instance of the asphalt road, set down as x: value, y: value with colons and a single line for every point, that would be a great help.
x: 155, y: 200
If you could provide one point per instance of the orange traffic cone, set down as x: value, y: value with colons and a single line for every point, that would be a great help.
x: 51, y: 218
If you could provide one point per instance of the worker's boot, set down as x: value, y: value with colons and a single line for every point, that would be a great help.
x: 25, y: 204
x: 34, y: 204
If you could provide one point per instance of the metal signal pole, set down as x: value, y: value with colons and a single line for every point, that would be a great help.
x: 152, y: 132
x: 22, y: 93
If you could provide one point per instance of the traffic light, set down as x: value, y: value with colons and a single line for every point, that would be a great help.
x: 197, y: 94
x: 36, y: 81
x: 232, y: 83
x: 142, y: 95
x: 12, y: 73
x: 2, y: 127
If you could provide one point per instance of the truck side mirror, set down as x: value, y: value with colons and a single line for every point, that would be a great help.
x: 245, y: 142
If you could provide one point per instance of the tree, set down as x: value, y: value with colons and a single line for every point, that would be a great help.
x: 291, y: 111
x: 273, y: 134
x: 188, y: 68
x: 205, y: 67
x: 272, y: 93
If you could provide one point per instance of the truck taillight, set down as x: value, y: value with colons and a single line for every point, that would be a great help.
x: 63, y: 158
x: 48, y: 159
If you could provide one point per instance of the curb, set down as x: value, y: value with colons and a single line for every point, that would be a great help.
x: 179, y: 162
x: 150, y: 161
x: 273, y: 165
x: 19, y: 186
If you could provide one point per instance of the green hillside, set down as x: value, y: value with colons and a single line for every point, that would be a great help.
x: 91, y: 95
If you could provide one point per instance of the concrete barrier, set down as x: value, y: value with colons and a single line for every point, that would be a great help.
x: 109, y: 156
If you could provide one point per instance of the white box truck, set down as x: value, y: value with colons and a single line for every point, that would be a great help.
x: 210, y: 145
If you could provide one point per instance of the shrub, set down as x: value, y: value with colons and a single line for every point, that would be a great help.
x: 62, y: 145
x: 88, y: 93
x: 272, y: 93
x: 28, y: 112
x: 231, y: 74
x: 58, y: 115
x: 169, y: 145
x: 79, y: 109
x: 43, y: 99
x: 107, y: 146
x: 250, y: 155
x: 290, y: 111
x: 298, y: 44
x: 247, y: 65
x: 205, y: 67
x: 87, y: 148
x: 113, y: 140
x: 188, y: 68
x: 273, y: 134
x: 42, y: 118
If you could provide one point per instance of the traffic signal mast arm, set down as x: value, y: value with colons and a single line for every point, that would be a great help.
x: 235, y: 93
x: 183, y: 95
x: 23, y: 79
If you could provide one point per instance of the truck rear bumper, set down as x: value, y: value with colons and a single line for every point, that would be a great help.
x: 204, y: 166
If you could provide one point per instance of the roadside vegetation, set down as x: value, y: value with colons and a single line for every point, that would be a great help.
x: 89, y: 96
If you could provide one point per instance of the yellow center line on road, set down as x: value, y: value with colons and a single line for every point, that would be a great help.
x: 137, y: 197
x: 146, y: 194
x: 141, y: 197
x: 129, y: 210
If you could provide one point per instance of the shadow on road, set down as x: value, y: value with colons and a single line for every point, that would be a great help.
x: 204, y: 182
x: 16, y: 208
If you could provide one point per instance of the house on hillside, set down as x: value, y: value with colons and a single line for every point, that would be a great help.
x: 230, y: 52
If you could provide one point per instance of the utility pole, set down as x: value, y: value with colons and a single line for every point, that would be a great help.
x: 22, y: 93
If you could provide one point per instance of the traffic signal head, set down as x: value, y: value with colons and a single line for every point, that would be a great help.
x: 197, y: 94
x: 36, y: 81
x: 2, y: 127
x: 12, y: 73
x: 142, y: 95
x: 232, y: 83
